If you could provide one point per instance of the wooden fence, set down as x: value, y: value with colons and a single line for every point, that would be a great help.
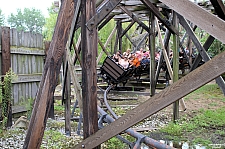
x: 27, y: 60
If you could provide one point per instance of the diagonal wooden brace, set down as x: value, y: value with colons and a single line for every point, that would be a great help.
x: 174, y: 92
x: 102, y: 13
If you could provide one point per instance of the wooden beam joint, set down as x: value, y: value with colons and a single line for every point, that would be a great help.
x: 102, y: 13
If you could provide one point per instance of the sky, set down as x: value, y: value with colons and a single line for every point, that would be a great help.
x: 11, y: 6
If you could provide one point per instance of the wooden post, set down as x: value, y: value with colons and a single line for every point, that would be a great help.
x: 212, y: 25
x: 175, y: 65
x: 6, y: 65
x: 220, y: 81
x: 189, y: 47
x: 89, y: 75
x: 164, y: 51
x: 50, y: 74
x: 119, y: 31
x: 67, y: 100
x: 166, y: 43
x: 166, y: 97
x: 152, y: 54
x: 116, y: 40
x: 51, y: 112
x: 106, y: 43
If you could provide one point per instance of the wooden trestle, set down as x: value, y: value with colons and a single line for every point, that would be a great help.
x: 91, y: 15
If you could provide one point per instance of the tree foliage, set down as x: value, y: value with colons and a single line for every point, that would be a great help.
x: 50, y: 23
x: 2, y: 18
x: 216, y: 47
x: 27, y: 20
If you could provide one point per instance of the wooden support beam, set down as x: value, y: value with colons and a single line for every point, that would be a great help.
x: 77, y: 51
x: 183, y: 48
x: 141, y: 41
x: 74, y: 22
x: 106, y: 43
x: 160, y: 16
x: 67, y: 79
x: 152, y: 54
x: 197, y: 15
x: 66, y: 98
x: 105, y: 22
x: 175, y: 65
x: 5, y: 48
x: 76, y: 54
x: 103, y: 47
x: 198, y: 58
x: 102, y: 13
x: 219, y: 8
x: 135, y: 18
x: 49, y: 80
x: 6, y: 66
x: 51, y: 112
x: 75, y: 81
x: 176, y: 91
x: 78, y: 25
x: 195, y: 40
x: 119, y: 31
x: 128, y: 27
x: 201, y: 49
x: 116, y: 41
x: 166, y: 43
x: 128, y: 37
x: 165, y: 55
x: 99, y: 2
x: 89, y: 73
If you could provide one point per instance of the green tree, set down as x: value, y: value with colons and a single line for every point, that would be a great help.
x: 27, y: 20
x: 49, y: 26
x: 2, y: 18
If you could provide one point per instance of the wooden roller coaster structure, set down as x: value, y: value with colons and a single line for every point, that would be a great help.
x: 93, y: 15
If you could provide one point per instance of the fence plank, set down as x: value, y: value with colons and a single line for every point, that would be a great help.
x: 34, y: 87
x: 27, y: 56
x: 23, y: 78
x: 15, y: 94
x: 0, y: 35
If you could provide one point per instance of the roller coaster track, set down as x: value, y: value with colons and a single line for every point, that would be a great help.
x: 139, y: 137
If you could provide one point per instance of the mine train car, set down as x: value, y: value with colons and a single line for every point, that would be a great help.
x: 113, y: 73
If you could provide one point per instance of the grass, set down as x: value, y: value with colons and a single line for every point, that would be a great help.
x: 57, y: 140
x: 209, y: 91
x: 115, y: 143
x: 205, y: 126
x: 200, y: 129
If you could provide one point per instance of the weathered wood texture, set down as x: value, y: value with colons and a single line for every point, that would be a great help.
x: 152, y: 53
x: 25, y: 39
x: 51, y: 71
x: 201, y: 50
x: 5, y: 48
x: 197, y: 15
x: 160, y: 16
x: 27, y: 56
x: 6, y: 64
x: 89, y: 82
x: 179, y: 89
